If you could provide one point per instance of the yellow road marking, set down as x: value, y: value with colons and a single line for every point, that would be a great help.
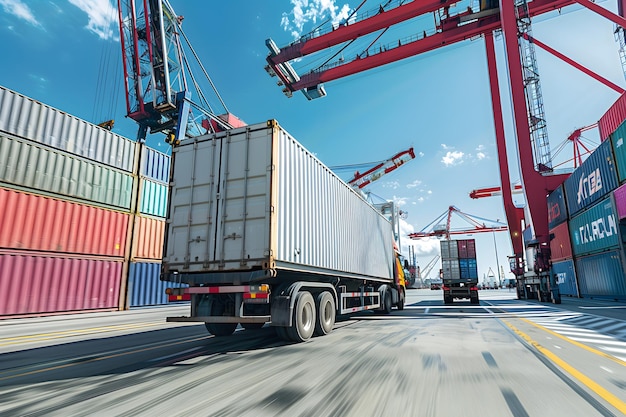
x: 584, y: 379
x: 575, y: 343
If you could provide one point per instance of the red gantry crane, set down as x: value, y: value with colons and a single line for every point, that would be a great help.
x: 454, y: 22
x: 362, y: 180
x: 441, y: 226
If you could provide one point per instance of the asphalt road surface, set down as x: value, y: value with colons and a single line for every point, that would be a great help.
x: 504, y: 357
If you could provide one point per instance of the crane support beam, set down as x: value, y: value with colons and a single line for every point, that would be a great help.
x: 618, y: 20
x: 574, y: 64
x: 347, y: 32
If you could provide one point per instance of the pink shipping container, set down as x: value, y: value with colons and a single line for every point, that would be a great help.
x: 561, y: 246
x: 34, y: 284
x: 148, y: 238
x: 620, y: 201
x: 46, y: 224
x: 614, y: 117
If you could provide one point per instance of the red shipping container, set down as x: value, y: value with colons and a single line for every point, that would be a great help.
x: 613, y: 118
x: 148, y: 238
x: 560, y: 245
x: 31, y: 284
x: 46, y: 224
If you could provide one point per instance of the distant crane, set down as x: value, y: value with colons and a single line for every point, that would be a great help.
x: 383, y: 168
x: 429, y: 267
x: 441, y: 228
x: 159, y: 82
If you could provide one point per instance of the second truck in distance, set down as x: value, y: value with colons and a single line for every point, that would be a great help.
x: 459, y: 270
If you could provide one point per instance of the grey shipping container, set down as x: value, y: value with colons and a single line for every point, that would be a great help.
x: 29, y: 119
x: 29, y: 165
x: 595, y: 229
x: 451, y: 269
x: 602, y: 275
x: 565, y: 276
x: 253, y: 198
x: 591, y: 181
x: 557, y: 210
x: 449, y: 249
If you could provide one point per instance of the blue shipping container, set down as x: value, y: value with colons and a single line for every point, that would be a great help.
x: 557, y: 212
x: 566, y: 277
x: 591, y: 181
x: 144, y: 285
x: 602, y: 276
x: 469, y: 268
x: 595, y: 229
x: 153, y: 198
x: 155, y: 165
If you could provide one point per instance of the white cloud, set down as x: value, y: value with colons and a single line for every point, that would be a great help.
x: 391, y: 184
x: 446, y: 147
x: 452, y: 158
x: 481, y: 155
x: 426, y: 246
x: 102, y: 17
x: 414, y: 184
x: 305, y: 11
x: 480, y: 148
x: 20, y: 9
x: 421, y: 154
x: 400, y: 201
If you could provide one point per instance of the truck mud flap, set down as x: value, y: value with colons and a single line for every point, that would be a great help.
x: 281, y: 311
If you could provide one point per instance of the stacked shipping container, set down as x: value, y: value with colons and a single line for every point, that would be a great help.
x: 69, y: 225
x: 458, y: 259
x: 588, y: 261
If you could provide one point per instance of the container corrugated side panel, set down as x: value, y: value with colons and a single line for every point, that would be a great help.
x: 451, y: 269
x: 37, y: 283
x: 471, y: 248
x: 43, y: 170
x: 619, y: 196
x: 595, y: 229
x: 591, y: 181
x: 560, y: 245
x: 601, y: 275
x: 155, y: 165
x: 462, y: 246
x: 145, y: 287
x: 615, y: 116
x: 618, y: 142
x: 153, y: 198
x: 557, y: 210
x: 46, y: 224
x: 148, y: 238
x: 315, y: 208
x: 566, y: 277
x: 445, y: 249
x: 32, y: 120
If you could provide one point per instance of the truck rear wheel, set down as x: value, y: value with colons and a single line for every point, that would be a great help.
x: 303, y: 318
x: 325, y: 313
x: 221, y: 329
x: 400, y: 300
x: 386, y: 302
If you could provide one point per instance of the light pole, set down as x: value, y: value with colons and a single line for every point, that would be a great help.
x: 497, y: 262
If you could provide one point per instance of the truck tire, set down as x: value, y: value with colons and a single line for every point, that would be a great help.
x: 474, y: 299
x: 387, y: 304
x: 221, y: 329
x: 326, y: 311
x: 281, y: 332
x: 447, y: 299
x: 400, y: 305
x: 303, y: 318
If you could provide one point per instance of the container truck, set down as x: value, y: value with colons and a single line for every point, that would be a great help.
x: 459, y: 270
x: 263, y: 232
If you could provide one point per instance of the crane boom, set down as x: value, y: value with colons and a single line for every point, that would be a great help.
x: 383, y: 168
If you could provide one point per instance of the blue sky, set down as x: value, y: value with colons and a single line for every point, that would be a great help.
x: 66, y: 53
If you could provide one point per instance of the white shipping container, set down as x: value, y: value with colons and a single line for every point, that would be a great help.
x: 32, y: 120
x: 254, y: 198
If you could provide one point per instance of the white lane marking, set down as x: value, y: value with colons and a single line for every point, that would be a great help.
x: 604, y: 368
x: 603, y: 308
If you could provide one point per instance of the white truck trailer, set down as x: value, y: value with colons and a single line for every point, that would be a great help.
x: 263, y: 232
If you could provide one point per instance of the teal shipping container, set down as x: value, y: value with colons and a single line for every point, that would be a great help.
x: 565, y: 276
x: 44, y: 170
x: 155, y: 165
x: 595, y: 229
x: 591, y: 181
x: 153, y: 198
x: 145, y: 287
x: 602, y: 275
x: 618, y: 141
